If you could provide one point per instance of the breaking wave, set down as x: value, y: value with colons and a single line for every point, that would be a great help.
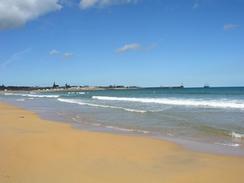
x: 79, y: 102
x: 237, y: 135
x: 222, y: 103
x: 229, y: 144
x: 31, y: 95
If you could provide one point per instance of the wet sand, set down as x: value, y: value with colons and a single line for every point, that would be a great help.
x: 33, y: 150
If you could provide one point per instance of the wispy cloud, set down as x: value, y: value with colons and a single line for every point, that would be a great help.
x: 196, y: 4
x: 14, y: 57
x: 228, y: 27
x: 15, y: 13
x: 65, y: 55
x: 129, y: 47
x: 54, y: 52
x: 85, y: 4
x: 68, y: 55
x: 135, y: 47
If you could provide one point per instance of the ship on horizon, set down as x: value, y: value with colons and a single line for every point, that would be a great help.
x: 206, y: 86
x: 172, y: 87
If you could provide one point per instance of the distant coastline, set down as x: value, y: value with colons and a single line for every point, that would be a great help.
x: 69, y: 88
x: 64, y: 88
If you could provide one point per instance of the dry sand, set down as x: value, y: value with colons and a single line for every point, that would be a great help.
x: 39, y: 151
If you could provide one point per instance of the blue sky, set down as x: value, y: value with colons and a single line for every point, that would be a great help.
x: 128, y: 42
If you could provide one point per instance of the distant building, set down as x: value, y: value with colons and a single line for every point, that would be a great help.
x: 2, y: 87
x: 55, y: 86
x: 67, y: 86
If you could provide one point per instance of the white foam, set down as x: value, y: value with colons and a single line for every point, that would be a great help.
x: 236, y: 104
x: 74, y: 119
x: 31, y: 95
x: 120, y: 129
x: 127, y: 129
x: 237, y: 135
x: 9, y: 94
x: 20, y: 100
x: 81, y: 93
x: 96, y: 124
x: 75, y: 101
x: 229, y: 144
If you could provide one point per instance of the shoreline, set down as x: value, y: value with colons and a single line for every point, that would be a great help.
x: 36, y: 150
x: 188, y: 144
x: 191, y: 144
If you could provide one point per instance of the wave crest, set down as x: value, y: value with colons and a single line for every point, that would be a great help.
x: 235, y: 104
x: 31, y: 95
x: 237, y: 135
x: 79, y: 102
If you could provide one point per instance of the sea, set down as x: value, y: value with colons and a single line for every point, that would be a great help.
x: 202, y: 119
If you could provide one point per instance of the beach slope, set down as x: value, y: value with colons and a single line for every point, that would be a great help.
x: 33, y: 150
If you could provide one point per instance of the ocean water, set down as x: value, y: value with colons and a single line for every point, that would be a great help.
x: 210, y: 119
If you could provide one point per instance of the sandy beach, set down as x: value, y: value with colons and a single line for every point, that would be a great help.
x: 36, y: 151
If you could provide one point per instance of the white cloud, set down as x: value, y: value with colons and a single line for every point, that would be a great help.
x: 14, y: 13
x: 54, y: 52
x: 68, y: 55
x: 65, y: 55
x: 231, y: 26
x: 84, y: 4
x: 136, y: 47
x: 129, y: 47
